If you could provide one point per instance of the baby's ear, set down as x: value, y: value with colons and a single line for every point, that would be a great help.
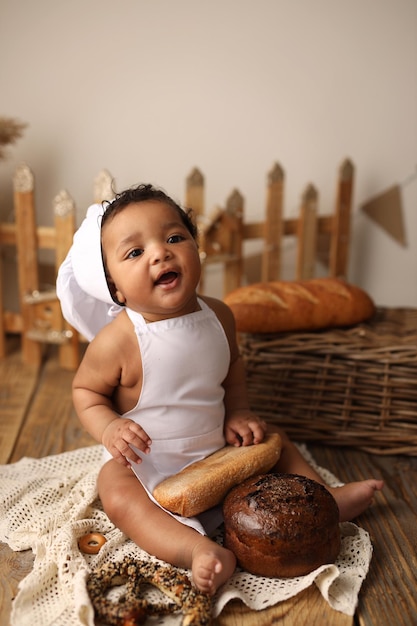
x: 116, y: 295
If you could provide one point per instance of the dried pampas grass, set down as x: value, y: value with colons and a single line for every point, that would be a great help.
x: 10, y: 131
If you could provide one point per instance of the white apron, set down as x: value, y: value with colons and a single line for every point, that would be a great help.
x: 185, y: 360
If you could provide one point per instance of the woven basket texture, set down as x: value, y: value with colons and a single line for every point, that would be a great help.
x: 344, y: 387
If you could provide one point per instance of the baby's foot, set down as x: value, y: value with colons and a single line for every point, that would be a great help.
x: 212, y: 565
x: 354, y: 498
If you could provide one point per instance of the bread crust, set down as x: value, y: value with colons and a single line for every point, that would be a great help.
x: 204, y: 484
x: 282, y: 306
x: 281, y: 525
x: 132, y: 607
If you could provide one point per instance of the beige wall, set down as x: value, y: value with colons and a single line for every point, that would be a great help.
x: 149, y: 89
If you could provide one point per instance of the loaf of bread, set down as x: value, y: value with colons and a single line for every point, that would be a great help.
x: 282, y: 306
x: 203, y: 484
x: 281, y: 525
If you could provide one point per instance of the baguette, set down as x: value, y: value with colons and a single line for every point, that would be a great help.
x: 205, y: 483
x: 283, y: 306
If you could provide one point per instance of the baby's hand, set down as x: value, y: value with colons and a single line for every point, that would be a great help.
x: 120, y: 435
x: 244, y: 428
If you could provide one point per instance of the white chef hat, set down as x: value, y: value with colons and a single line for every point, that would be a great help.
x: 81, y: 284
x: 86, y: 256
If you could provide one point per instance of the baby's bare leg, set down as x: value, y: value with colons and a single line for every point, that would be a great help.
x: 158, y: 533
x: 352, y: 498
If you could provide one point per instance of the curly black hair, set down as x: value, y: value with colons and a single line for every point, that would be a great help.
x: 142, y: 193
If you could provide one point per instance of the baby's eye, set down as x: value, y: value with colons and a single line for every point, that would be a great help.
x: 134, y: 253
x: 175, y: 238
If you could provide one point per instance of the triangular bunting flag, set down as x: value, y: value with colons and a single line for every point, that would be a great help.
x: 387, y: 211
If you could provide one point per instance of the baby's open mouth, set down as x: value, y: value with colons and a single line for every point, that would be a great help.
x: 167, y: 278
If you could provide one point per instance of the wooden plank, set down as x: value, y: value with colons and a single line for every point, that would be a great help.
x: 308, y: 607
x: 390, y: 587
x: 45, y: 235
x: 307, y: 235
x: 14, y: 566
x: 17, y: 384
x: 340, y: 238
x: 233, y: 269
x: 271, y: 256
x: 2, y: 320
x: 52, y: 425
x: 27, y: 257
x: 13, y: 322
x: 7, y: 234
x: 194, y: 192
x: 64, y: 211
x: 253, y: 230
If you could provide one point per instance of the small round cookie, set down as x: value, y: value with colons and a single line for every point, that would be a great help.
x: 91, y: 543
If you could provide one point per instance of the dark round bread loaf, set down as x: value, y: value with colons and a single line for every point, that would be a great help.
x: 281, y: 525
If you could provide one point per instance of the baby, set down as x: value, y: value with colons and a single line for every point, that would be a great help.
x: 163, y: 385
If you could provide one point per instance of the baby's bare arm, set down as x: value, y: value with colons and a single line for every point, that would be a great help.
x: 94, y: 384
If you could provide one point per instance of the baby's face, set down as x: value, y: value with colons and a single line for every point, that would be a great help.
x: 152, y: 259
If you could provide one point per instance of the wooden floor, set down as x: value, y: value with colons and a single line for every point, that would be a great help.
x: 30, y: 401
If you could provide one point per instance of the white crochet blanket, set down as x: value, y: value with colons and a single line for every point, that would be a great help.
x: 48, y: 504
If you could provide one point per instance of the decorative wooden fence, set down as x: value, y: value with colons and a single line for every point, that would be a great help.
x: 39, y: 320
x: 222, y: 235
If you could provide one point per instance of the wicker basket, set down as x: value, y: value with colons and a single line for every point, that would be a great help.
x: 345, y: 387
